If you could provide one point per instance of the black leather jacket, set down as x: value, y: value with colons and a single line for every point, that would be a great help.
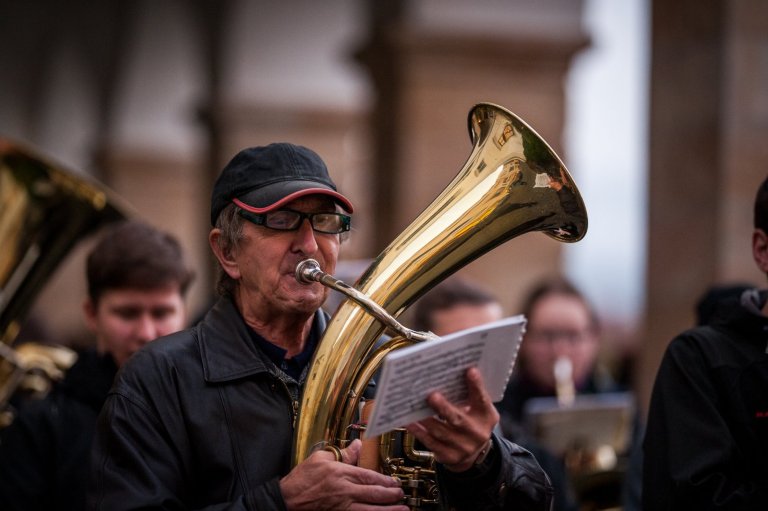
x: 706, y: 441
x: 202, y: 419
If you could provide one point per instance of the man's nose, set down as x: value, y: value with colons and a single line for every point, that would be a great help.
x: 146, y: 329
x: 305, y: 238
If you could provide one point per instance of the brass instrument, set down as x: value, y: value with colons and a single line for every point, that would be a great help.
x: 512, y: 183
x: 45, y: 211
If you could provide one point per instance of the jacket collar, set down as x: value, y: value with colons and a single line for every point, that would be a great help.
x: 226, y: 348
x: 744, y: 315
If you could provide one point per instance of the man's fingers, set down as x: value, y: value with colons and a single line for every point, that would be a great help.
x: 351, y: 454
x: 377, y: 494
x: 478, y: 394
x: 458, y: 433
x: 442, y: 407
x: 478, y: 398
x: 480, y: 402
x: 363, y: 476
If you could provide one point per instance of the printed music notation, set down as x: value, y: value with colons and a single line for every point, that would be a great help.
x: 409, y: 374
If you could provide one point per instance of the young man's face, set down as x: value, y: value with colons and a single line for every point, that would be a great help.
x: 124, y: 320
x: 465, y: 315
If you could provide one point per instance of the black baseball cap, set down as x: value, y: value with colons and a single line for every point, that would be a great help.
x: 265, y: 178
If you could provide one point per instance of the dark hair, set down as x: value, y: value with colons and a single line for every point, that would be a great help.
x: 556, y: 286
x: 134, y: 255
x: 761, y: 207
x: 446, y: 295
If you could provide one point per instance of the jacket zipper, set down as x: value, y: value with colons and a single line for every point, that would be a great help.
x: 295, y: 412
x: 294, y: 405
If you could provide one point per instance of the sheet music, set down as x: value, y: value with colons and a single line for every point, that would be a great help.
x: 409, y: 374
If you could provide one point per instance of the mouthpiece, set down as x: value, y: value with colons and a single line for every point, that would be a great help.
x: 564, y: 387
x: 308, y: 271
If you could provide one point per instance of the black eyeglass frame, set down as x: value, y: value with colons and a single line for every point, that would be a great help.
x: 261, y: 219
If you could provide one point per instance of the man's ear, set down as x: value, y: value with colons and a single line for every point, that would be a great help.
x: 224, y: 255
x: 760, y: 249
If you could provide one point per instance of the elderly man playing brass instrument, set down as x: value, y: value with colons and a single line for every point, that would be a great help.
x: 203, y: 419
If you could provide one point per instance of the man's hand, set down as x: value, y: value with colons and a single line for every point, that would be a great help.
x: 459, y: 436
x: 320, y: 482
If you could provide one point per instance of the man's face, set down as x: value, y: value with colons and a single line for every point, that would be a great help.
x: 124, y: 320
x: 559, y: 326
x: 265, y: 264
x: 463, y: 316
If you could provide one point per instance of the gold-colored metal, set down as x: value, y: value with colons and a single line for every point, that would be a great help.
x: 308, y: 271
x: 336, y: 452
x: 512, y: 183
x: 45, y: 210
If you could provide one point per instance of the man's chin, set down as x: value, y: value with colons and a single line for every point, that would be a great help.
x: 308, y: 299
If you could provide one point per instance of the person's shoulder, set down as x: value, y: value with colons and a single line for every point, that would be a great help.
x: 714, y: 345
x: 173, y: 343
x: 700, y: 334
x: 699, y: 338
x: 161, y: 357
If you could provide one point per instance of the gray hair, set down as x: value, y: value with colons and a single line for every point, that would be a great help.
x: 231, y: 226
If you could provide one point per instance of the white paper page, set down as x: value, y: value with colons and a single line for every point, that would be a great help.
x: 409, y: 374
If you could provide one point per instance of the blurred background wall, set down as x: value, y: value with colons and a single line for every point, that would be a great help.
x: 659, y: 109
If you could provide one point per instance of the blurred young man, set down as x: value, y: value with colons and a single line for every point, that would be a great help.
x: 454, y: 305
x: 457, y: 304
x: 706, y: 441
x: 137, y: 278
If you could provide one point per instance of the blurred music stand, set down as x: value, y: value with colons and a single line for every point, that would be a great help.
x: 592, y: 436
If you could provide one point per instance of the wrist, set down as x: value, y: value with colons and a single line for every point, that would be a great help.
x: 483, y: 454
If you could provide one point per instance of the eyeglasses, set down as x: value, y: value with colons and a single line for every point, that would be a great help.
x: 290, y: 220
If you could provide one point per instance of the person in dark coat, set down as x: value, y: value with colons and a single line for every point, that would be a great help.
x: 563, y: 331
x: 204, y: 418
x: 457, y: 304
x: 706, y: 440
x: 136, y: 281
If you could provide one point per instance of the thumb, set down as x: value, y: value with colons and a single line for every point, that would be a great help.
x: 351, y: 453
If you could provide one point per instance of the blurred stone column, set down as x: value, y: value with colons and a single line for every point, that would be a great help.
x: 708, y: 127
x: 427, y: 74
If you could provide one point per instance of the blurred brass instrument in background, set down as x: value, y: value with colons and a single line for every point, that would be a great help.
x: 45, y: 211
x: 591, y: 433
x: 511, y: 184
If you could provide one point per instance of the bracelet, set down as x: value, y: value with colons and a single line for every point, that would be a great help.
x: 484, y: 452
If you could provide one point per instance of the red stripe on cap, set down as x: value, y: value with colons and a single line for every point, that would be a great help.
x: 301, y: 193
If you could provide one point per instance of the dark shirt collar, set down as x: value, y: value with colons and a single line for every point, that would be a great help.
x: 291, y: 366
x: 226, y: 348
